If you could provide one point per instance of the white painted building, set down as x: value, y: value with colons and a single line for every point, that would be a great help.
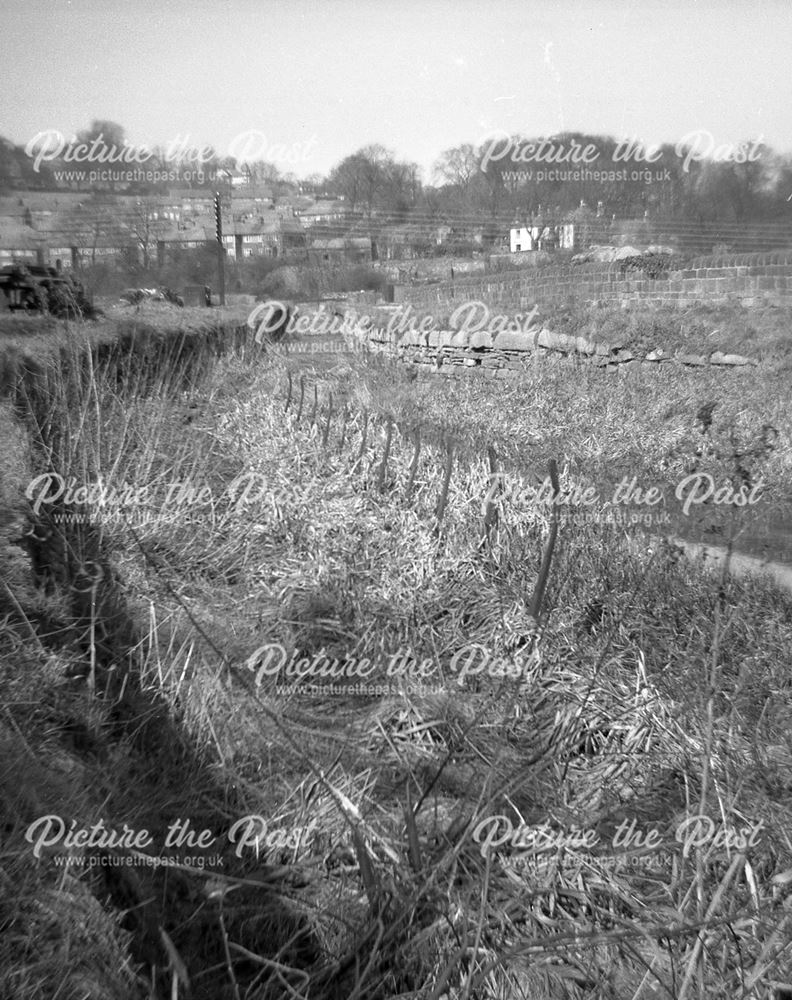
x: 523, y: 238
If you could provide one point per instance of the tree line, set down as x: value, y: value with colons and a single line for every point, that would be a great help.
x: 505, y: 178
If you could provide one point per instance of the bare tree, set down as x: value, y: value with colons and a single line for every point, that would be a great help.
x: 362, y: 177
x: 111, y: 133
x: 457, y: 166
x: 146, y: 227
x: 94, y: 222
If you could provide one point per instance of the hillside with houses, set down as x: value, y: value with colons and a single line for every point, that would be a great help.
x: 375, y: 212
x: 78, y: 231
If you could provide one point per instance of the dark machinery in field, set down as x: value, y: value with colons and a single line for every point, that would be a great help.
x: 31, y: 288
x: 134, y: 296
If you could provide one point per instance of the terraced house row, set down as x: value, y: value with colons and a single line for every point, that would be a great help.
x: 71, y: 230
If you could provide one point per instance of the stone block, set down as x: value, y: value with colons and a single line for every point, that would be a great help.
x: 481, y: 339
x: 460, y: 339
x: 512, y: 340
x: 557, y: 341
x: 718, y: 358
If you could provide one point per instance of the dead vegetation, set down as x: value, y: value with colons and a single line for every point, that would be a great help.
x: 344, y: 512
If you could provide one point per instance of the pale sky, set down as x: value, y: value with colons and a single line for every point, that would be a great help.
x: 321, y: 79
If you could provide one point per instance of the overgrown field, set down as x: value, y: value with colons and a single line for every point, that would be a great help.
x: 546, y: 756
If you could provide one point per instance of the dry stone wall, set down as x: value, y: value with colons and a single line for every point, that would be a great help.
x: 449, y: 352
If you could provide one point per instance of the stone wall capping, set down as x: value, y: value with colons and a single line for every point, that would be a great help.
x: 557, y: 341
x: 481, y: 339
x: 739, y: 360
x: 513, y: 340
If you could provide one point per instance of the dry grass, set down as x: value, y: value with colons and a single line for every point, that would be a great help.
x: 648, y: 690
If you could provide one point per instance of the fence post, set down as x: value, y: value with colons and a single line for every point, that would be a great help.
x: 362, y: 440
x: 413, y: 464
x: 329, y: 418
x: 384, y: 463
x: 443, y: 498
x: 537, y: 598
x: 344, y: 426
x: 490, y: 507
x: 315, y: 404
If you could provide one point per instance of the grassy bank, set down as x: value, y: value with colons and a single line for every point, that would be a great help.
x: 42, y: 335
x: 760, y: 332
x: 331, y: 510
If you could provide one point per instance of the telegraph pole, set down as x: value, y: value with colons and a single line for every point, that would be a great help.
x: 220, y: 248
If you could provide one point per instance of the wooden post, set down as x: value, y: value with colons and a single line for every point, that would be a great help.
x: 490, y: 506
x: 288, y: 398
x: 384, y: 464
x: 329, y: 418
x: 538, y: 596
x: 344, y: 427
x: 443, y: 498
x: 363, y: 437
x: 312, y: 421
x: 414, y: 464
x: 220, y: 248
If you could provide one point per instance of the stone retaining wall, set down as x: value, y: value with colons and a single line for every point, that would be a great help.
x: 756, y: 278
